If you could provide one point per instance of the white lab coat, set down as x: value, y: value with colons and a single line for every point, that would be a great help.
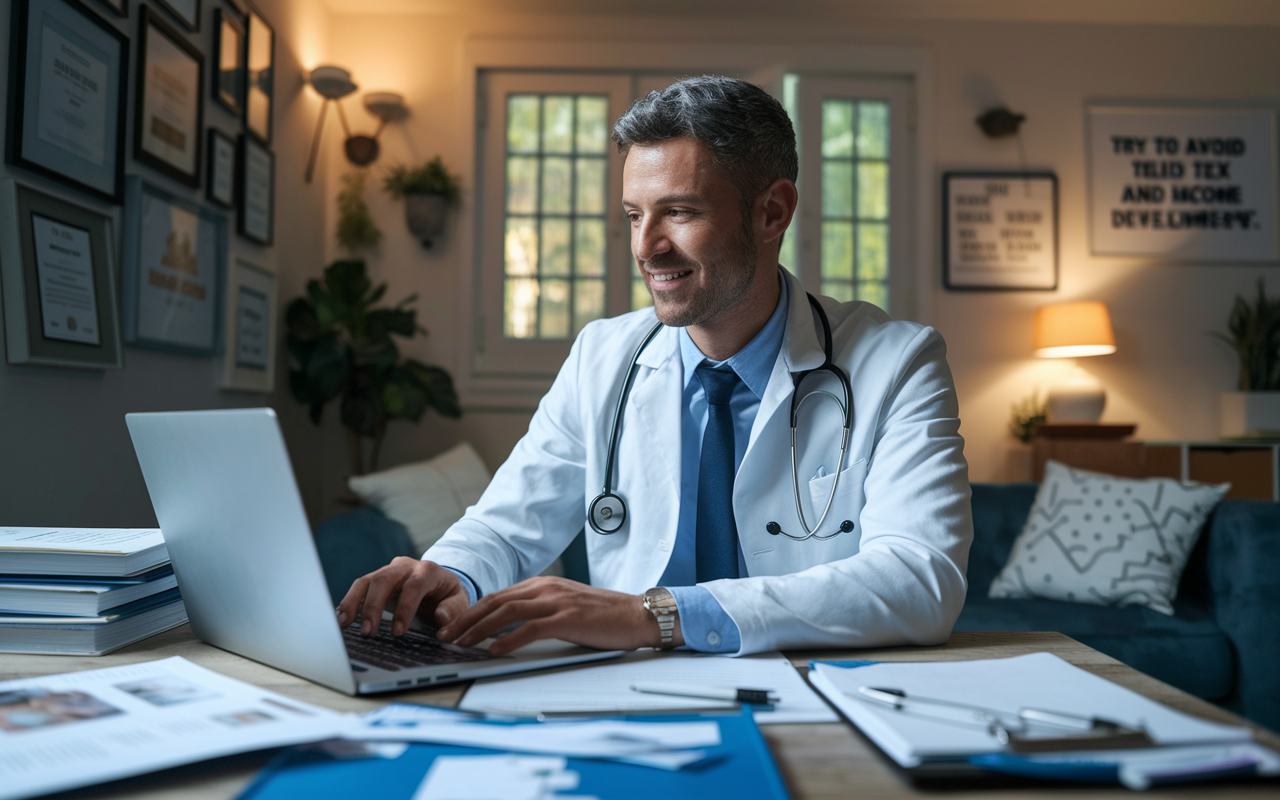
x: 897, y: 578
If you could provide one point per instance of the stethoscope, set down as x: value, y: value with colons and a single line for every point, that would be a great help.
x: 608, y: 512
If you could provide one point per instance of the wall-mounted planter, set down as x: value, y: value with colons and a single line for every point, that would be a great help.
x: 425, y: 215
x: 1249, y: 414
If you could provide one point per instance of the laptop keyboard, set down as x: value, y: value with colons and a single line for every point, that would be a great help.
x: 413, y: 649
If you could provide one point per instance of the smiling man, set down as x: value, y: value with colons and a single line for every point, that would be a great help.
x: 783, y: 470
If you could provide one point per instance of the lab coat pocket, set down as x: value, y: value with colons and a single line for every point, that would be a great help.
x: 847, y: 503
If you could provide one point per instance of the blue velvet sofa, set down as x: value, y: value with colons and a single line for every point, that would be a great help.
x: 1222, y: 644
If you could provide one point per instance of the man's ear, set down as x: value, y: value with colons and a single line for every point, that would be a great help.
x: 775, y: 208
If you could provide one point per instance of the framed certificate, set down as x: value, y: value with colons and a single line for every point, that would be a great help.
x: 221, y: 178
x: 67, y: 96
x: 174, y: 257
x: 186, y: 11
x: 57, y: 268
x: 255, y: 190
x: 169, y: 115
x: 261, y: 63
x: 229, y: 71
x: 1000, y: 230
x: 249, y: 352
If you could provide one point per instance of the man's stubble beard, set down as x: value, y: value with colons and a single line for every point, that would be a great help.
x: 737, y: 265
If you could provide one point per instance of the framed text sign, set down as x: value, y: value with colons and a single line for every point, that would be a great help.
x: 1000, y: 230
x: 1183, y: 184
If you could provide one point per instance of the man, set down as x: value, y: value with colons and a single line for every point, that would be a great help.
x: 712, y: 520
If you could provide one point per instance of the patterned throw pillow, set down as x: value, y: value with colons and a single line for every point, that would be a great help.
x: 1094, y: 538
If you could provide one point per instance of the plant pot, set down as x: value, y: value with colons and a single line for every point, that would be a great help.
x: 1249, y: 414
x: 425, y: 216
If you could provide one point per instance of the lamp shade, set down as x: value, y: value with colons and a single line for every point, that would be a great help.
x: 1069, y: 330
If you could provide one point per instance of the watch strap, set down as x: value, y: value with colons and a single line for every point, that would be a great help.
x: 662, y: 605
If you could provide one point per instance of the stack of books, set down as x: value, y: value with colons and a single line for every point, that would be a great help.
x: 84, y: 591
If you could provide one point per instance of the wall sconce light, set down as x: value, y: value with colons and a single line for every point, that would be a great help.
x: 1073, y: 330
x: 333, y: 84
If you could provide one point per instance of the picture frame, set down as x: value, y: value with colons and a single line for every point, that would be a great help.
x: 251, y: 323
x: 67, y: 107
x: 255, y: 191
x: 220, y: 185
x: 169, y: 109
x: 260, y: 62
x: 185, y: 11
x: 57, y: 269
x: 1000, y: 231
x: 229, y: 72
x: 120, y: 7
x: 173, y: 271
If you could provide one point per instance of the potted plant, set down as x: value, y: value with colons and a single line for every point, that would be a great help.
x: 356, y: 229
x: 341, y: 346
x: 428, y: 190
x: 1254, y: 333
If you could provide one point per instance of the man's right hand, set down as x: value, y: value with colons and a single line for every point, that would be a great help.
x: 424, y: 588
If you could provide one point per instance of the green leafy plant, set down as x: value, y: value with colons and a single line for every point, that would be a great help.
x: 1026, y: 415
x: 1255, y: 336
x: 356, y: 229
x: 428, y: 178
x: 341, y: 346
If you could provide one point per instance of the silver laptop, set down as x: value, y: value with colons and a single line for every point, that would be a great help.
x: 228, y: 504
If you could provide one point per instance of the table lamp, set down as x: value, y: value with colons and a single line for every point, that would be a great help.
x: 1072, y: 330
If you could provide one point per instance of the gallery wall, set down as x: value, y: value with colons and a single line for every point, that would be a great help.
x: 67, y: 458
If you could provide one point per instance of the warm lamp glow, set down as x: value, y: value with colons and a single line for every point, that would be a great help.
x: 1068, y: 330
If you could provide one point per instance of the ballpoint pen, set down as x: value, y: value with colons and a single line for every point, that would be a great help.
x: 727, y: 693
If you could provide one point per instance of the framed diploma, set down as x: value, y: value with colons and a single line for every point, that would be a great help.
x: 256, y: 192
x: 261, y: 64
x: 229, y: 72
x: 249, y: 351
x: 185, y: 11
x: 174, y: 257
x: 57, y: 268
x: 67, y: 96
x: 169, y: 111
x: 1000, y: 230
x: 221, y: 179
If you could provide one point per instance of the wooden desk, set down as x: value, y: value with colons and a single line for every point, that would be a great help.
x: 818, y: 760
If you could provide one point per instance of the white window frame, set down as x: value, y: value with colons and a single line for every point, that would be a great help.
x: 485, y: 389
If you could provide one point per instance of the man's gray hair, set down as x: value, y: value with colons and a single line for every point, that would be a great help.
x: 746, y: 129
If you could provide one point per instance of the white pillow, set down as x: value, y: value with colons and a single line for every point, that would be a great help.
x: 1094, y: 538
x: 429, y: 496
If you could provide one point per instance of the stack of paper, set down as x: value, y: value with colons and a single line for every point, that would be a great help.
x: 84, y: 591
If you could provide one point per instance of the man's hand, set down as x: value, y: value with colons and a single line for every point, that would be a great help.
x: 425, y: 588
x: 556, y: 608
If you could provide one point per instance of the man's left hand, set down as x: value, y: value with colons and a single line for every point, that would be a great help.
x: 557, y: 608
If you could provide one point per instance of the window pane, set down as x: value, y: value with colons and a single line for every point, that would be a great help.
x: 873, y: 191
x: 522, y: 123
x: 837, y: 128
x: 873, y: 251
x: 838, y: 289
x: 591, y: 186
x: 588, y: 302
x: 522, y: 185
x: 873, y: 129
x: 555, y: 247
x: 557, y: 124
x: 555, y: 185
x: 875, y: 293
x: 837, y: 250
x: 787, y: 253
x: 521, y: 246
x: 553, y: 310
x: 640, y: 297
x: 593, y: 124
x: 520, y: 308
x: 589, y: 247
x: 837, y: 189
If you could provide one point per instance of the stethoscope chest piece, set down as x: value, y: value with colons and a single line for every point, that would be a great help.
x: 608, y: 513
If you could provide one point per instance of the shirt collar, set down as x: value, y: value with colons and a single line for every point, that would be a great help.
x: 753, y: 363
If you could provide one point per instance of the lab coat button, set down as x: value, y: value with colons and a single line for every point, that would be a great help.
x: 664, y: 545
x: 713, y: 638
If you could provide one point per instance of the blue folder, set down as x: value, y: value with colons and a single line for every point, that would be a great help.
x: 740, y: 767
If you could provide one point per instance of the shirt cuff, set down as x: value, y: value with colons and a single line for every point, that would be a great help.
x: 473, y: 593
x: 703, y: 621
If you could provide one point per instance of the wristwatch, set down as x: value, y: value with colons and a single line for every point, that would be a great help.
x: 663, y: 608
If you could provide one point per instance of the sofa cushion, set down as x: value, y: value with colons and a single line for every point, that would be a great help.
x: 355, y: 543
x: 1187, y: 650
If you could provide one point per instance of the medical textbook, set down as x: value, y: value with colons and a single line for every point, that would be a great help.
x: 111, y: 552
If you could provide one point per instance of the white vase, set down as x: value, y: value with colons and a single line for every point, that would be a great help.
x: 425, y: 216
x: 1247, y: 414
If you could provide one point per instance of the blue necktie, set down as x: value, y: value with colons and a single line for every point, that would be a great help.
x: 717, y: 533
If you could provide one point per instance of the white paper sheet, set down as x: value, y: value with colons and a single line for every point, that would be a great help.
x: 488, y: 777
x: 118, y: 541
x: 607, y: 688
x: 63, y: 731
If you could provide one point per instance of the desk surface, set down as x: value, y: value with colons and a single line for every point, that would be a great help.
x: 817, y: 760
